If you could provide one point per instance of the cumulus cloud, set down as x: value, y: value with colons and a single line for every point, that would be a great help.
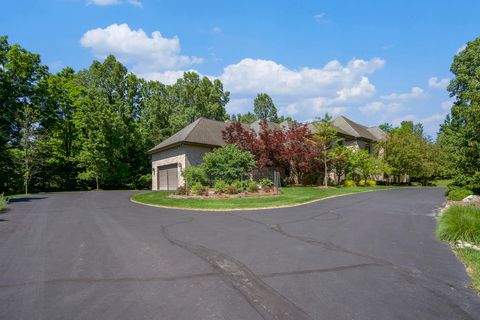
x: 437, y: 83
x: 144, y: 53
x: 380, y: 107
x: 103, y: 3
x: 414, y: 93
x: 447, y: 104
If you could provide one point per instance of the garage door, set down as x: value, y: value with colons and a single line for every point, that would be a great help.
x: 168, y: 177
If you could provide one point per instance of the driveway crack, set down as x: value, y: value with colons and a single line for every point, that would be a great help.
x: 264, y: 299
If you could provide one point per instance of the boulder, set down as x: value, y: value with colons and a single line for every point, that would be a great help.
x: 472, y: 199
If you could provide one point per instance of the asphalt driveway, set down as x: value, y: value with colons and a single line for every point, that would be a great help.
x: 96, y: 255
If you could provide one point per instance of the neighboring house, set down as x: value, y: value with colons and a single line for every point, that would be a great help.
x: 187, y: 146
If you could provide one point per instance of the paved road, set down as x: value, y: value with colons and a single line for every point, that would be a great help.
x: 95, y: 255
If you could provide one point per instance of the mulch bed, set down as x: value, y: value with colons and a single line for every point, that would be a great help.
x: 213, y: 195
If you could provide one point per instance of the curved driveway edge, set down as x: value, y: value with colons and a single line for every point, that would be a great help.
x: 370, y: 255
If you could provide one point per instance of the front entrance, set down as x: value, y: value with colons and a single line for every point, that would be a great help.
x: 167, y: 177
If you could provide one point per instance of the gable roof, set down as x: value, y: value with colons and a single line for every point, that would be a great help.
x: 348, y: 127
x: 209, y: 132
x: 202, y: 131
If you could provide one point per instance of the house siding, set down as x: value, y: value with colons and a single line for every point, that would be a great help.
x: 184, y: 155
x: 171, y: 156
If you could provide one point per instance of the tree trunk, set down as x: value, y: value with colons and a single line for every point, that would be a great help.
x: 98, y: 184
x: 325, y: 178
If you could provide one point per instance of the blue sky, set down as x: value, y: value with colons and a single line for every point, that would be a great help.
x: 373, y: 61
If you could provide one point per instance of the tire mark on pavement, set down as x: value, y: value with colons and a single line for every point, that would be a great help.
x: 264, y: 299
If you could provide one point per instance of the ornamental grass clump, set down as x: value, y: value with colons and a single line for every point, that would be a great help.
x: 460, y: 223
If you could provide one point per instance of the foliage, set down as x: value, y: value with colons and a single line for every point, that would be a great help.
x: 144, y: 181
x: 264, y: 108
x: 181, y: 191
x: 194, y: 175
x: 361, y: 183
x: 265, y: 182
x: 240, y: 185
x: 325, y: 138
x: 228, y: 163
x: 3, y: 202
x: 349, y: 183
x: 458, y: 194
x: 252, y: 186
x: 371, y: 183
x: 199, y: 189
x: 460, y: 133
x: 232, y: 189
x: 460, y: 223
x: 220, y: 186
x: 408, y: 152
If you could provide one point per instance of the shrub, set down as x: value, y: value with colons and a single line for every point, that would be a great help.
x: 460, y: 223
x: 239, y: 185
x: 361, y: 183
x: 349, y: 183
x: 228, y: 163
x: 265, y: 183
x: 199, y: 189
x: 231, y: 189
x: 181, y: 191
x: 3, y: 202
x: 252, y: 186
x: 458, y: 194
x: 194, y: 175
x: 144, y: 182
x: 371, y: 183
x: 220, y: 186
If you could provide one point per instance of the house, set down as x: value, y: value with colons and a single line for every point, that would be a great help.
x: 187, y: 146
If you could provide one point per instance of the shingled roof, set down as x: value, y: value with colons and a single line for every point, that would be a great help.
x: 209, y: 132
x: 202, y: 131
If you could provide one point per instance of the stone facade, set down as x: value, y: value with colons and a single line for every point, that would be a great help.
x: 182, y: 155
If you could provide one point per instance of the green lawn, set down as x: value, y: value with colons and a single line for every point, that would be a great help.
x: 471, y: 259
x: 463, y: 223
x: 289, y: 196
x: 443, y: 183
x: 3, y: 201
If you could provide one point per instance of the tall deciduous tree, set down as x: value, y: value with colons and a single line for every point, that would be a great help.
x: 325, y: 137
x: 460, y: 133
x: 264, y: 108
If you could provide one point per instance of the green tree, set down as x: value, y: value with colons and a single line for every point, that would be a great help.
x: 264, y: 108
x: 460, y: 133
x: 325, y: 137
x: 247, y: 118
x: 228, y: 163
x: 21, y: 95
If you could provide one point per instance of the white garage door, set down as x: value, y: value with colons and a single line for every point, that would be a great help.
x: 168, y: 177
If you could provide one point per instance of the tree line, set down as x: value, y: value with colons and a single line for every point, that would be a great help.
x: 75, y: 130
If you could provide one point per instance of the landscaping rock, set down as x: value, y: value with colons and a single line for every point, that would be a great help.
x: 472, y: 199
x: 465, y: 245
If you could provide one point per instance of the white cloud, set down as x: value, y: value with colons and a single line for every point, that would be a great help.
x: 437, y: 83
x: 143, y: 53
x: 408, y: 117
x: 378, y: 106
x: 414, y: 93
x: 321, y: 18
x: 217, y: 30
x: 104, y: 3
x: 434, y: 118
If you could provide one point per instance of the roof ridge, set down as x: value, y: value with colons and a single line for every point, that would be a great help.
x: 347, y: 121
x: 195, y: 124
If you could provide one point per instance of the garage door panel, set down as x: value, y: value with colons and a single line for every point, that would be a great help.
x: 167, y: 177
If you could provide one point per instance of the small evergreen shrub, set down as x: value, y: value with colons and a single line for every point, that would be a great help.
x: 199, y: 189
x: 252, y: 186
x: 265, y: 183
x: 220, y: 186
x: 349, y: 183
x: 361, y: 183
x: 458, y: 194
